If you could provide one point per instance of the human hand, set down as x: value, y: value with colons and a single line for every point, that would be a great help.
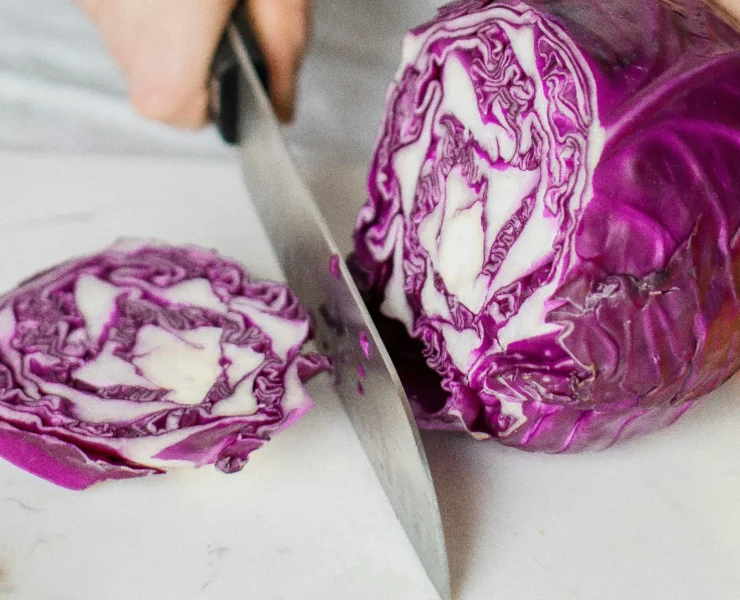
x: 165, y: 49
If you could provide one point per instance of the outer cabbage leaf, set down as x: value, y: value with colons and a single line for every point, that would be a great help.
x: 147, y: 357
x: 554, y: 218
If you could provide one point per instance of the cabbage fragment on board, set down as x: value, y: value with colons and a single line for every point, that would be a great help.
x: 147, y: 357
x: 552, y: 236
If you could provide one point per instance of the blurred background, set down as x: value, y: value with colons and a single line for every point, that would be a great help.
x: 61, y: 92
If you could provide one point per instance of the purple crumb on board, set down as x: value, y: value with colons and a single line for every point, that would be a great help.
x: 361, y: 371
x: 365, y: 344
x: 360, y: 389
x: 334, y: 266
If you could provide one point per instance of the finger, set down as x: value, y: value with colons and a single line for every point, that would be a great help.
x: 165, y: 49
x: 282, y: 28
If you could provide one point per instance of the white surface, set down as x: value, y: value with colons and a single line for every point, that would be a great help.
x: 654, y: 519
x: 651, y: 519
x: 306, y: 518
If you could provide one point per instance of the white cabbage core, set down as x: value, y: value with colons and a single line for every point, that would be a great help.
x: 185, y: 362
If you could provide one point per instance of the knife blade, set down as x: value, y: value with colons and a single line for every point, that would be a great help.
x: 366, y: 381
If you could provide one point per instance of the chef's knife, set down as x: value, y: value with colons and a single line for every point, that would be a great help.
x: 367, y: 382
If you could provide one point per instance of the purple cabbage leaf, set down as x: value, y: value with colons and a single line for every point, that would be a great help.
x: 551, y: 241
x: 147, y: 357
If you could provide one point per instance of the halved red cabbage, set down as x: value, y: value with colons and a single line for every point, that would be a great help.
x: 147, y: 357
x: 554, y: 217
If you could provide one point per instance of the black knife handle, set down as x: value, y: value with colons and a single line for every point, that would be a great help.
x: 225, y: 74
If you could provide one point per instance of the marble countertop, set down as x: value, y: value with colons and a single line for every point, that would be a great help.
x: 653, y: 518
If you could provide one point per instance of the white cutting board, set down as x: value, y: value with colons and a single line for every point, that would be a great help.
x: 306, y: 518
x: 654, y: 519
